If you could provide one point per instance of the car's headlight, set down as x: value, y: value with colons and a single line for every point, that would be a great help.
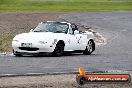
x: 42, y: 42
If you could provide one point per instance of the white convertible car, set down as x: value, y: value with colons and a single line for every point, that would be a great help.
x: 55, y: 38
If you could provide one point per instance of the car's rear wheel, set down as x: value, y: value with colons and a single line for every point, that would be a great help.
x: 89, y: 48
x: 58, y: 51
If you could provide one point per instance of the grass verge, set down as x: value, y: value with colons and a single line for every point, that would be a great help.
x: 65, y: 5
x: 5, y: 43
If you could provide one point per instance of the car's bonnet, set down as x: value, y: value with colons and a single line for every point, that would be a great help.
x: 38, y: 36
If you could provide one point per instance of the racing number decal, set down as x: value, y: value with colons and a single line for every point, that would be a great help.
x: 79, y: 41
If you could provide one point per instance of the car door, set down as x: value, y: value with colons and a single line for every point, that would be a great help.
x: 71, y: 44
x: 80, y: 41
x: 75, y: 40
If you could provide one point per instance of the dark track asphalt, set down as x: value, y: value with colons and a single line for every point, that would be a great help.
x: 116, y: 27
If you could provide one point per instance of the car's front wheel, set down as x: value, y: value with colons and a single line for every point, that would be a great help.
x: 58, y: 51
x: 89, y: 48
x: 17, y: 54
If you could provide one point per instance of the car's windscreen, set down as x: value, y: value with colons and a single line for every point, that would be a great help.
x: 55, y: 27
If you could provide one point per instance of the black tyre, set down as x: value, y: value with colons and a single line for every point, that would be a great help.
x: 17, y: 54
x: 58, y: 51
x: 89, y: 48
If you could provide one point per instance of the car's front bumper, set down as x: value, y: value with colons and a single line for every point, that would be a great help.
x: 36, y: 48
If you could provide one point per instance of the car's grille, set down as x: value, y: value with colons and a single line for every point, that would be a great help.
x: 29, y: 48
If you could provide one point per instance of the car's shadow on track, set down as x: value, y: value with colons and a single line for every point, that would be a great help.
x: 49, y: 55
x: 64, y: 55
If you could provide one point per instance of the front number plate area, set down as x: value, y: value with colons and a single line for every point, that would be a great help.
x: 26, y: 44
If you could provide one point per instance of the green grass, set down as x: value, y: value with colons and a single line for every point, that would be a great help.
x: 65, y: 5
x: 5, y: 43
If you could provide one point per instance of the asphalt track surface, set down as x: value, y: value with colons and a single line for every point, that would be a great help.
x: 116, y: 27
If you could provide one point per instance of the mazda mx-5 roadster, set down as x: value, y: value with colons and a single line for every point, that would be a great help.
x: 55, y: 38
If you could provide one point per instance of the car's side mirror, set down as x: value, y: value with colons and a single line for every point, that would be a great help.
x: 31, y: 30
